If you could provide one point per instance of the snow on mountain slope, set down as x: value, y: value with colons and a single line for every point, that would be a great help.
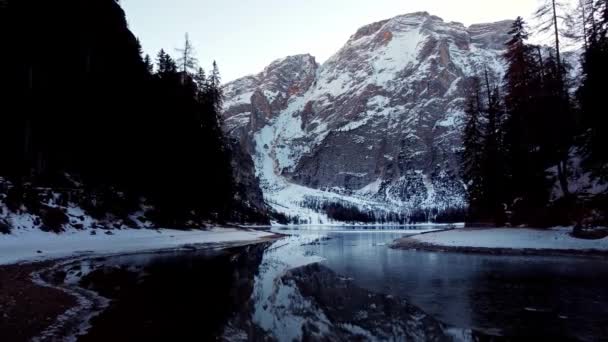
x: 376, y: 126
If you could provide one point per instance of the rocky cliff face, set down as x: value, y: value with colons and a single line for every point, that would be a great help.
x: 377, y: 126
x: 253, y: 208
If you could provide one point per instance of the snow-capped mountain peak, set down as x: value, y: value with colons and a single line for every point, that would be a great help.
x: 376, y: 126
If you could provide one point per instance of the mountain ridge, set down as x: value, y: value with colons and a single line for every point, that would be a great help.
x: 376, y: 126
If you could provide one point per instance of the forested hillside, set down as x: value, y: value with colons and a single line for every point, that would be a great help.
x: 535, y: 144
x: 89, y: 122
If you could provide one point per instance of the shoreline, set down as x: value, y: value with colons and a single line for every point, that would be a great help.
x: 31, y: 307
x: 412, y: 244
x: 27, y: 308
x: 35, y: 245
x: 553, y: 242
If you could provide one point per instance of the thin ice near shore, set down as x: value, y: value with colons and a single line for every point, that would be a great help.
x: 36, y: 245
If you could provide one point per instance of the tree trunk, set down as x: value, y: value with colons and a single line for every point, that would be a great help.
x: 542, y: 63
x: 27, y: 137
x: 584, y: 14
x: 562, y: 175
x: 557, y: 52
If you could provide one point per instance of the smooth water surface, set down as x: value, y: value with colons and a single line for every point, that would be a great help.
x: 507, y: 295
x: 343, y: 284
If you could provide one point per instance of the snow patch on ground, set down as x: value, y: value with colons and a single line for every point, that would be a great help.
x: 25, y: 244
x: 372, y: 188
x: 516, y: 238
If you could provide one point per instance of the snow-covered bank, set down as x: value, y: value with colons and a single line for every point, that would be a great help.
x: 35, y: 245
x: 555, y: 239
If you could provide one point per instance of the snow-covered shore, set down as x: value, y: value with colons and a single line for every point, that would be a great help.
x: 505, y: 239
x: 35, y: 245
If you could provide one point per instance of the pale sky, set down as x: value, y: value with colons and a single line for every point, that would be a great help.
x: 244, y: 36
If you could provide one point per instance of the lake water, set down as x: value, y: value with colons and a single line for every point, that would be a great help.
x: 345, y: 284
x: 505, y: 295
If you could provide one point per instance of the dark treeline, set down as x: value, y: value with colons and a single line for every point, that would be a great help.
x: 346, y: 212
x: 523, y: 136
x: 80, y: 107
x: 343, y: 212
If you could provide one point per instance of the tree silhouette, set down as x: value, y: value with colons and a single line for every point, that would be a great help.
x: 187, y: 62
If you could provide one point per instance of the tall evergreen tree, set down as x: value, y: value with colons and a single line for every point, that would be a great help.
x: 528, y: 189
x: 483, y: 162
x: 165, y: 64
x: 215, y: 88
x: 149, y: 65
x: 553, y: 15
x: 200, y: 78
x: 493, y: 154
x: 593, y: 90
x: 556, y: 113
x: 472, y: 155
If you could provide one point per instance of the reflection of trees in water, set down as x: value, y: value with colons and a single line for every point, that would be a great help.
x: 173, y: 298
x: 203, y: 296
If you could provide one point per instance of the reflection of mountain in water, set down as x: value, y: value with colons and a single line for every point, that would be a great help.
x: 356, y: 313
x: 320, y: 285
x: 295, y: 298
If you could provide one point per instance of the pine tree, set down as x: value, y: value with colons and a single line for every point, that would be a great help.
x: 148, y: 64
x: 472, y: 155
x: 493, y: 165
x: 527, y: 189
x: 517, y: 101
x: 165, y: 64
x: 214, y: 84
x: 518, y: 57
x: 200, y: 78
x: 483, y: 164
x: 593, y: 91
x: 550, y: 13
x: 187, y: 62
x: 556, y: 113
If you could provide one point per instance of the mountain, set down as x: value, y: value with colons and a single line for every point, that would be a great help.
x: 376, y: 128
